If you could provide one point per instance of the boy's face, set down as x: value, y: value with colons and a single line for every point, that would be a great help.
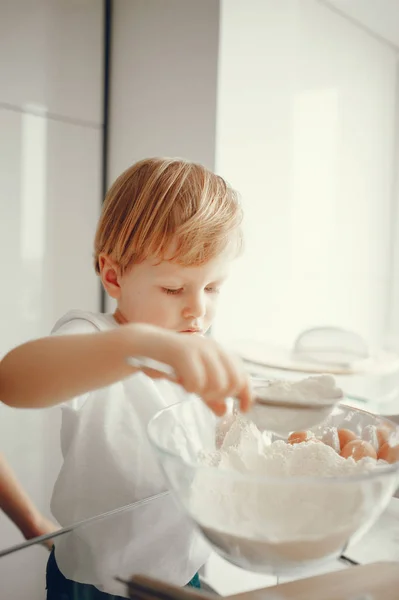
x: 182, y: 299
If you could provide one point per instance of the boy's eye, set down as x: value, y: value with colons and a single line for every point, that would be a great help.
x: 172, y: 291
x: 212, y: 290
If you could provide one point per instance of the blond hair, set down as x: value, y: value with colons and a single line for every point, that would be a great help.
x: 160, y: 201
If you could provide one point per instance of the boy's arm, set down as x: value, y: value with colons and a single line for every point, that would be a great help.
x: 50, y: 370
x: 18, y: 506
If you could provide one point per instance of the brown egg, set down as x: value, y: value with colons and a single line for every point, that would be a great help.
x: 383, y: 434
x: 389, y: 453
x: 297, y: 437
x: 358, y: 449
x: 345, y: 436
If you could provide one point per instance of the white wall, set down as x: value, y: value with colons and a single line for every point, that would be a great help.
x: 163, y: 81
x: 50, y: 177
x: 306, y: 132
x: 379, y: 18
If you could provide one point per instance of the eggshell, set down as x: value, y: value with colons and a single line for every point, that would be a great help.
x: 345, y: 436
x: 358, y: 449
x: 297, y: 437
x: 389, y: 453
x: 383, y: 435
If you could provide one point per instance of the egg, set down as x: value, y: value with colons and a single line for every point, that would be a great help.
x: 345, y: 436
x: 383, y: 435
x: 358, y: 449
x: 297, y: 437
x: 389, y: 453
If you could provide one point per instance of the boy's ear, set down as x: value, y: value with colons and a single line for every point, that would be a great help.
x: 110, y: 276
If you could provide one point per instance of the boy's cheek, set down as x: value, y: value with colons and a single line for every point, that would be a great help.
x: 211, y: 314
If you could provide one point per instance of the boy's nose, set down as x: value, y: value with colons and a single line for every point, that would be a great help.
x: 195, y: 308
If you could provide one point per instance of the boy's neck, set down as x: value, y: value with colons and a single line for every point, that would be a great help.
x: 119, y: 317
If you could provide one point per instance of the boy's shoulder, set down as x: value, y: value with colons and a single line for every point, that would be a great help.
x: 79, y: 321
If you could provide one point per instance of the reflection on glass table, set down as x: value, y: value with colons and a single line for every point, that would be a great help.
x: 23, y: 567
x: 79, y: 549
x: 88, y: 548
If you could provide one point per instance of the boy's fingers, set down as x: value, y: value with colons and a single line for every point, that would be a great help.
x: 239, y: 380
x: 217, y: 379
x: 245, y: 396
x: 217, y: 406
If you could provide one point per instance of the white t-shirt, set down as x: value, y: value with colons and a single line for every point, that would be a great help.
x: 109, y: 463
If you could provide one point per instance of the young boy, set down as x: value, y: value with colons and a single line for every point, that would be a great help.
x: 168, y: 233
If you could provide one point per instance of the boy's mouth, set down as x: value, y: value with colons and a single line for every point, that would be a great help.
x: 193, y: 330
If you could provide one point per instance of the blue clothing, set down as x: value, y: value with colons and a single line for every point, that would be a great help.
x: 60, y: 588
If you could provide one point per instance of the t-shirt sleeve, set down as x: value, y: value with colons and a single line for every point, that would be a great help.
x: 74, y: 327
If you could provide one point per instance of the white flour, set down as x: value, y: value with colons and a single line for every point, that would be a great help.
x: 299, y: 520
x: 311, y: 390
x: 319, y: 392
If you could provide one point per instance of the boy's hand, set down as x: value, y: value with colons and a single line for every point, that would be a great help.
x: 201, y: 365
x: 40, y: 526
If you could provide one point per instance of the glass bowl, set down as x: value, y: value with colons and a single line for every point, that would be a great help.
x: 270, y: 524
